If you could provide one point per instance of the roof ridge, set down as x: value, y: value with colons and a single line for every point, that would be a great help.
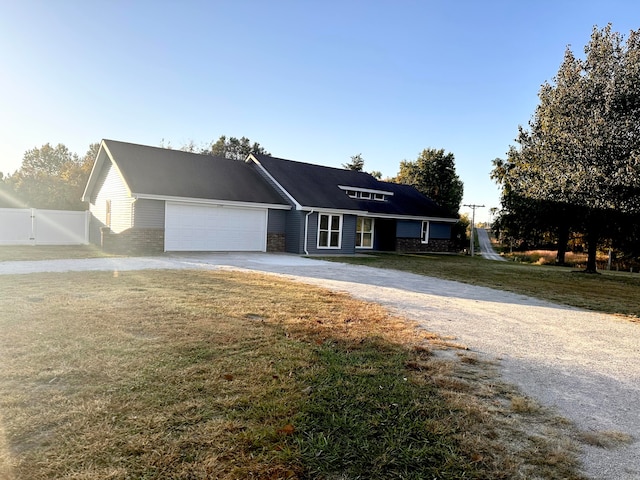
x: 315, y: 165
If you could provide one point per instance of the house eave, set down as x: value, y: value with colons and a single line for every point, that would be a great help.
x: 209, y: 201
x: 366, y: 213
x: 412, y: 217
x: 337, y: 211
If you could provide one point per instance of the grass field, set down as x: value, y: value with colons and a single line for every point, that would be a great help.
x: 49, y: 252
x: 194, y: 375
x: 609, y: 292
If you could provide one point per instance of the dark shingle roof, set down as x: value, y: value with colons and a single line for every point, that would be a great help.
x: 174, y: 173
x: 317, y: 186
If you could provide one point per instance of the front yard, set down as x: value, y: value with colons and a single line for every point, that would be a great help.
x: 181, y: 374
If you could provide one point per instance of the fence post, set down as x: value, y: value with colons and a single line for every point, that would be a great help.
x: 87, y: 224
x: 34, y: 227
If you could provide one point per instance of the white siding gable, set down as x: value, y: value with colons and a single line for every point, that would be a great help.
x: 112, y: 187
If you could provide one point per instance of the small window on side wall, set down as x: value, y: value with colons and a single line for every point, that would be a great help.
x: 107, y: 214
x: 424, y: 237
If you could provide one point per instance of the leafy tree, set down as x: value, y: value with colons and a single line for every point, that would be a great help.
x: 356, y: 163
x: 235, y: 149
x: 434, y: 174
x: 51, y: 177
x: 528, y: 221
x: 582, y: 150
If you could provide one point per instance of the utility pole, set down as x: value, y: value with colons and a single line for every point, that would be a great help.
x: 473, y: 221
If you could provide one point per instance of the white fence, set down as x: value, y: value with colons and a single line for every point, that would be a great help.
x: 30, y: 226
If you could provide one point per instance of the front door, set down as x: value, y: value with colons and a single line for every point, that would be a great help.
x: 385, y: 235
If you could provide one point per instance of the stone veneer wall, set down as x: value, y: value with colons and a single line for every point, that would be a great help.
x: 275, y: 242
x: 133, y: 241
x: 415, y: 245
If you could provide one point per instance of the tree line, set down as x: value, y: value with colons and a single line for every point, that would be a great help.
x: 50, y: 177
x: 576, y: 170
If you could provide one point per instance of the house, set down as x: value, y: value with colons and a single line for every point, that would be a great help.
x: 148, y: 199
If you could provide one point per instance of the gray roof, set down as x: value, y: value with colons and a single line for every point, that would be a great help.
x: 318, y: 186
x: 174, y: 173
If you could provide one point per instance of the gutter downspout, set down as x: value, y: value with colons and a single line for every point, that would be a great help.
x: 306, y: 231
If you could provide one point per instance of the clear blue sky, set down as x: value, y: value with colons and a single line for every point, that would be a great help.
x: 315, y: 81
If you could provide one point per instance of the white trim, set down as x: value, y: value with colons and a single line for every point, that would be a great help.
x: 409, y: 217
x: 372, y: 231
x: 360, y: 189
x: 206, y: 201
x: 306, y: 233
x: 264, y: 170
x: 97, y: 169
x: 335, y: 211
x: 318, y: 246
x: 365, y: 213
x: 424, y: 238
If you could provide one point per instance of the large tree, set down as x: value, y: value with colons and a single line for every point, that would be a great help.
x: 434, y: 174
x: 51, y: 177
x: 582, y: 148
x: 234, y: 148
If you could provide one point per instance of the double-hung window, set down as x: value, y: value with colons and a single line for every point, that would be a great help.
x: 364, y: 232
x: 329, y: 230
x: 424, y: 237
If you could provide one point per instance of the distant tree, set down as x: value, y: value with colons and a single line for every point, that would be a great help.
x: 47, y: 160
x: 376, y: 174
x: 234, y: 148
x: 52, y: 178
x: 192, y: 147
x: 356, y: 163
x: 434, y: 174
x: 8, y: 197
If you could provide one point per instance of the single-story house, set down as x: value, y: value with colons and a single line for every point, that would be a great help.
x: 149, y: 199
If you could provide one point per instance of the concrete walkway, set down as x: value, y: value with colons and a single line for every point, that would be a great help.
x: 585, y: 365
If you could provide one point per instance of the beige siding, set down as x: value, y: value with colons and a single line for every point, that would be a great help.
x: 111, y: 187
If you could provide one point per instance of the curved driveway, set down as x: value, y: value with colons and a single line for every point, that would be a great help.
x: 584, y: 364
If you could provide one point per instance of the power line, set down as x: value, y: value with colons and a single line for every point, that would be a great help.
x: 473, y: 221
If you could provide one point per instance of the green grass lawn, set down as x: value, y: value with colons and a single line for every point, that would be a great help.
x: 609, y: 292
x: 201, y: 375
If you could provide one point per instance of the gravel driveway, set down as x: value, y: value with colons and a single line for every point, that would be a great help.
x: 586, y: 365
x: 486, y: 249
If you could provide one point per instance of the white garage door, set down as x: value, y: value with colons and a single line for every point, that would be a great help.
x: 205, y: 228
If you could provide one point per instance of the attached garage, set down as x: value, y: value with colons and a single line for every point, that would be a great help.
x: 214, y: 228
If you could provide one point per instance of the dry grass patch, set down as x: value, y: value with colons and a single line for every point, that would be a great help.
x: 49, y: 252
x: 606, y: 439
x: 175, y: 374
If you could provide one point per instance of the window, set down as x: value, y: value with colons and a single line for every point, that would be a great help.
x: 329, y: 229
x: 364, y: 232
x: 424, y: 237
x: 107, y: 214
x: 366, y: 194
